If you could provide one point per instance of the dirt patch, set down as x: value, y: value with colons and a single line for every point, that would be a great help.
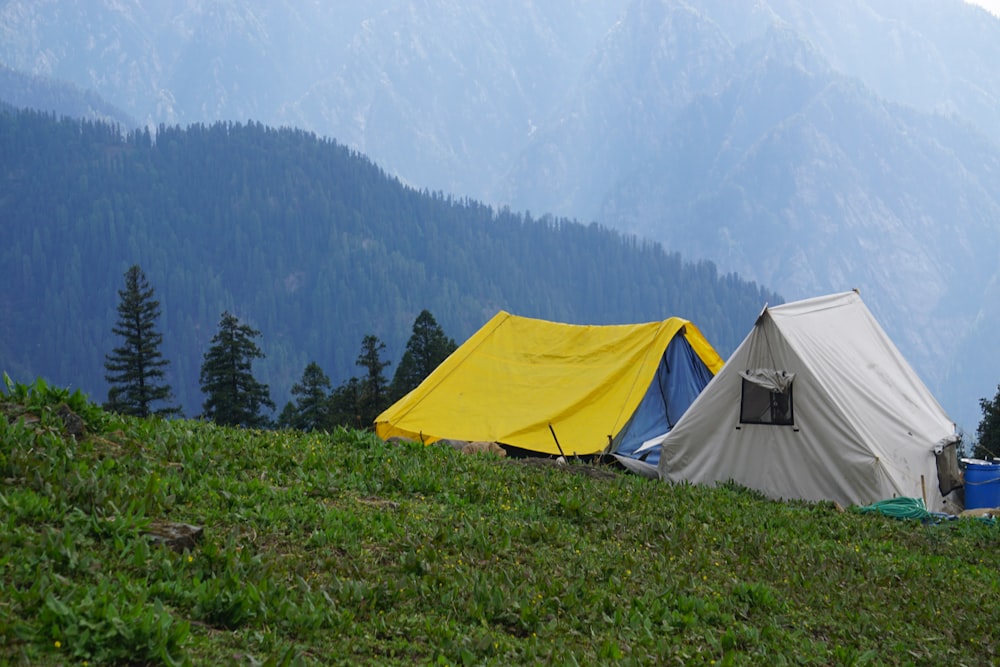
x: 585, y: 469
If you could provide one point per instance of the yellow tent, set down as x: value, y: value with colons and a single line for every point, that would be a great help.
x: 532, y: 383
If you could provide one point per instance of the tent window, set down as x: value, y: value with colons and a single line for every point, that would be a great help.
x: 764, y: 405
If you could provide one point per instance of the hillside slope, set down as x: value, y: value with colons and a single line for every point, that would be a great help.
x: 161, y: 542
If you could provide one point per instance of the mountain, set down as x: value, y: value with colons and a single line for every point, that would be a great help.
x: 794, y: 169
x: 808, y: 145
x: 834, y: 188
x: 310, y: 243
x: 435, y: 85
x: 27, y: 91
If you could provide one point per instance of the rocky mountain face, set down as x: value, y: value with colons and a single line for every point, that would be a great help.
x: 813, y: 146
x: 767, y: 143
x: 443, y: 94
x: 21, y: 90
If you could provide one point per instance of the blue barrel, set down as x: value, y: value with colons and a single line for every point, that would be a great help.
x: 982, y: 484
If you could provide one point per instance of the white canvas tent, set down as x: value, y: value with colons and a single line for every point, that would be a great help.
x: 816, y: 403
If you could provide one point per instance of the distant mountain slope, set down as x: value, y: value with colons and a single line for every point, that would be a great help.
x: 434, y: 86
x: 308, y: 242
x: 752, y: 148
x: 835, y: 187
x: 21, y: 90
x: 430, y: 88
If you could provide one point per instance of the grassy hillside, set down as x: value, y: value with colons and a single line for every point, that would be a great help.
x: 342, y: 549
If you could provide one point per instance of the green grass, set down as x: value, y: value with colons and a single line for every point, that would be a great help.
x: 342, y: 549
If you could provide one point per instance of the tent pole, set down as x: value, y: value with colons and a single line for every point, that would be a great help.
x: 553, y: 431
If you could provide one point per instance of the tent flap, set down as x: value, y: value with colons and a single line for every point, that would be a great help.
x: 770, y: 379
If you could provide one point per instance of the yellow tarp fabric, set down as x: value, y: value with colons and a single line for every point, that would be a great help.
x: 517, y: 376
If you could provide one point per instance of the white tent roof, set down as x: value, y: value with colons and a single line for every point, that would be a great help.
x: 864, y: 426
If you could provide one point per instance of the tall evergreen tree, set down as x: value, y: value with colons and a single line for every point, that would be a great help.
x: 346, y: 405
x: 375, y: 389
x: 311, y: 410
x: 135, y: 369
x: 426, y: 349
x: 233, y: 396
x: 988, y: 431
x: 289, y: 416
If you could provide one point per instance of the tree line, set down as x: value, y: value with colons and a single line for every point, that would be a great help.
x: 233, y: 395
x: 306, y: 240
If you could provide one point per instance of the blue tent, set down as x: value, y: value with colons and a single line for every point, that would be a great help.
x: 680, y: 377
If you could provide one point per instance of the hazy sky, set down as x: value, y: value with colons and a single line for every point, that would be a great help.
x: 992, y: 5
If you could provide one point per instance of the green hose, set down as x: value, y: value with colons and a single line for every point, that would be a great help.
x: 899, y: 508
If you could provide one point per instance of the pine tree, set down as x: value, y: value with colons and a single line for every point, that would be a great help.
x: 375, y: 390
x: 135, y: 370
x: 233, y: 396
x: 426, y: 349
x: 988, y: 431
x: 289, y: 416
x: 311, y: 411
x: 346, y: 405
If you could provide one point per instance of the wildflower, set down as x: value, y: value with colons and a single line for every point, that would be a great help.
x: 58, y: 643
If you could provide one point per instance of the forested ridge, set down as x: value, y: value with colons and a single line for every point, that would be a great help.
x: 309, y: 242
